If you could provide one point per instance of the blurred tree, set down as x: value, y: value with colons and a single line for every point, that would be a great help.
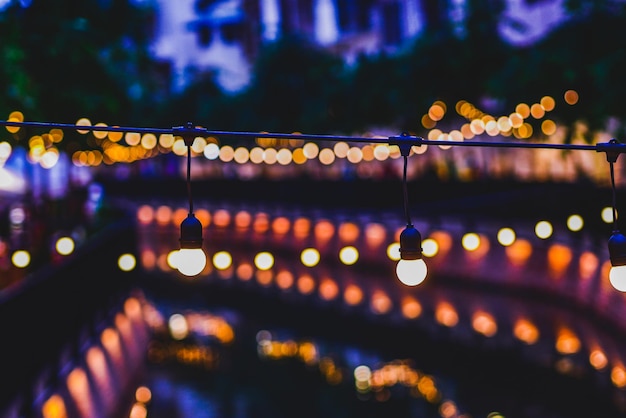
x: 293, y: 89
x: 64, y: 59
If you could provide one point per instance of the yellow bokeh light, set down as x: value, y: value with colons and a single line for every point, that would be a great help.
x: 310, y: 257
x: 430, y: 247
x: 575, y: 222
x: 470, y: 241
x: 65, y: 245
x: 222, y: 260
x: 607, y: 215
x: 548, y: 103
x: 543, y: 229
x: 349, y: 255
x: 83, y: 122
x: 571, y: 97
x: 20, y: 258
x: 127, y: 262
x: 264, y: 260
x: 506, y: 236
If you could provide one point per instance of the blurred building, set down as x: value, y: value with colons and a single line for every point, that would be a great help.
x: 224, y: 36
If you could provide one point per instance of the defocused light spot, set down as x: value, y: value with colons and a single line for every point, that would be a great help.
x: 284, y: 279
x: 20, y: 258
x: 559, y: 257
x: 618, y: 376
x: 301, y: 228
x: 264, y: 260
x: 525, y: 331
x: 311, y: 150
x: 348, y: 231
x: 328, y: 289
x: 163, y: 215
x: 178, y: 326
x: 571, y: 97
x: 575, y: 222
x: 411, y: 308
x: 310, y: 257
x: 78, y: 386
x: 211, y: 151
x: 543, y: 229
x: 519, y: 252
x: 566, y: 341
x: 548, y: 103
x: 138, y: 410
x: 145, y: 214
x: 484, y: 323
x: 17, y: 215
x: 264, y: 277
x: 126, y: 262
x: 380, y: 302
x: 362, y: 377
x: 607, y: 215
x: 83, y: 122
x: 341, y: 149
x: 244, y: 272
x: 443, y: 239
x: 506, y: 236
x: 305, y: 284
x: 172, y: 259
x: 352, y: 295
x: 448, y: 409
x: 261, y: 223
x: 281, y: 225
x: 445, y: 314
x: 430, y: 248
x: 324, y: 230
x: 598, y: 359
x: 54, y: 407
x: 65, y: 245
x: 393, y: 251
x: 222, y: 260
x: 327, y: 156
x: 470, y: 241
x: 588, y: 264
x: 227, y: 153
x: 349, y: 255
x: 221, y: 218
x: 243, y: 219
x: 375, y: 234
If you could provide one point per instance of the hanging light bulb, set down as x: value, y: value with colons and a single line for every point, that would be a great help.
x: 617, y: 254
x: 411, y: 268
x: 617, y: 242
x: 191, y: 259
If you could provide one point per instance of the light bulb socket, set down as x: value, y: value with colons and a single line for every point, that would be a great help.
x: 617, y: 249
x: 405, y: 142
x: 191, y: 232
x: 410, y: 244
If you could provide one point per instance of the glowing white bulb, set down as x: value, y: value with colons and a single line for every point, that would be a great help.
x: 617, y: 277
x: 190, y: 261
x: 411, y: 272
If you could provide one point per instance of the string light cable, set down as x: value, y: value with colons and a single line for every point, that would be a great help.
x: 411, y: 268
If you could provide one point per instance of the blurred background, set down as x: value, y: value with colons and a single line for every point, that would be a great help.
x: 298, y: 311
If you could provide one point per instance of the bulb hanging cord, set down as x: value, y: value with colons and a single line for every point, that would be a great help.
x: 189, y: 178
x: 614, y: 199
x: 406, y: 193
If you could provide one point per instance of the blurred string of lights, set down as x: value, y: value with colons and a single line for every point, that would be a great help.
x: 411, y: 269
